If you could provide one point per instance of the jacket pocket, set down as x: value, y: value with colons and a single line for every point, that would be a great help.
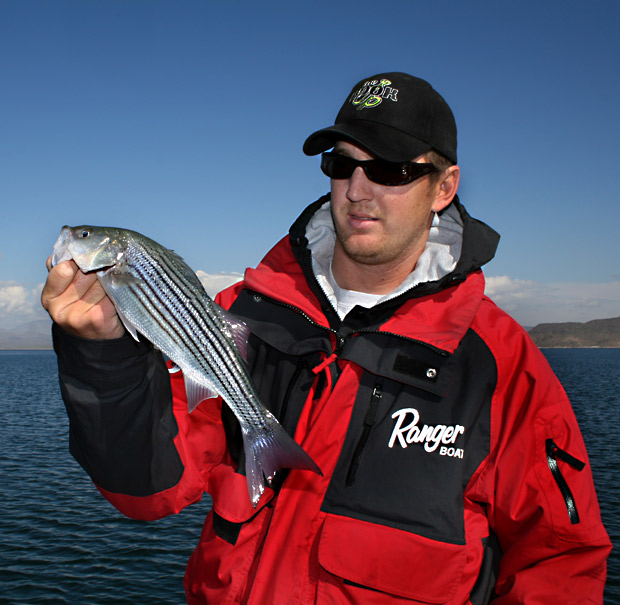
x: 373, y: 557
x: 232, y: 508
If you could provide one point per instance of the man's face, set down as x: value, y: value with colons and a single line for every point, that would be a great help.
x: 377, y: 224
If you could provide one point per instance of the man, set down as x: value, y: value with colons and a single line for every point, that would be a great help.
x: 453, y: 467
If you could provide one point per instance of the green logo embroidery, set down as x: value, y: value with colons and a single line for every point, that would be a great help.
x: 372, y: 93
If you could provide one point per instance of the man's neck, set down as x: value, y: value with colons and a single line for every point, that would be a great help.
x: 372, y: 279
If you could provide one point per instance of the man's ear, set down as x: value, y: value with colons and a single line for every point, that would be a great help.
x: 447, y: 188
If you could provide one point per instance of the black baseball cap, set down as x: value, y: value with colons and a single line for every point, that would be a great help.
x: 395, y: 117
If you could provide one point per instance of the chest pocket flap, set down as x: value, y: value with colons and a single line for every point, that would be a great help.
x: 390, y: 560
x: 399, y: 359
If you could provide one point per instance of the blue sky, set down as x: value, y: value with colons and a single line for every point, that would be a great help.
x: 184, y: 119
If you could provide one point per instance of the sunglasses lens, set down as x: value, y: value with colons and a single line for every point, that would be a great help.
x: 337, y: 166
x: 386, y: 173
x: 395, y: 174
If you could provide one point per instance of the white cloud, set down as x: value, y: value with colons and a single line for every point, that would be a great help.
x: 216, y: 282
x: 19, y: 303
x: 532, y: 303
x: 20, y: 308
x: 529, y: 302
x: 12, y: 296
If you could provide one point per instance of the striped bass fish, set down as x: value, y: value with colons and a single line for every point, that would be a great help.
x: 157, y: 294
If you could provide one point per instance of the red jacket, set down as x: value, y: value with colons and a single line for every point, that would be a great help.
x: 453, y: 467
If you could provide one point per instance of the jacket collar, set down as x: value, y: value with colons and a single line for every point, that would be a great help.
x: 435, y: 310
x: 457, y: 246
x: 439, y: 258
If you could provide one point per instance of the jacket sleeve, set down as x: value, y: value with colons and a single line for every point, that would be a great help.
x: 129, y: 427
x: 544, y: 509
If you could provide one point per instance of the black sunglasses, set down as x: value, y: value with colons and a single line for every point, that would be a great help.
x: 393, y: 174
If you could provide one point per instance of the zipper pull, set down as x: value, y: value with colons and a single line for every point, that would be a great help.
x: 371, y: 415
x: 554, y: 451
x: 553, y: 454
x: 369, y: 420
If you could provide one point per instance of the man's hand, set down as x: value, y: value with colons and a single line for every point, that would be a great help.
x: 77, y: 303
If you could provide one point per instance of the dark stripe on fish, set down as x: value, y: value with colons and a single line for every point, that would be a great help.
x: 197, y: 331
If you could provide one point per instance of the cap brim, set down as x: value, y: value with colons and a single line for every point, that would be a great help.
x: 381, y: 140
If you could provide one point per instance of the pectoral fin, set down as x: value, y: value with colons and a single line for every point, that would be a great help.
x: 128, y: 325
x: 114, y: 279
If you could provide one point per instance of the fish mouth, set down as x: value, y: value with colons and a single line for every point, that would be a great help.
x: 61, y: 246
x: 102, y: 270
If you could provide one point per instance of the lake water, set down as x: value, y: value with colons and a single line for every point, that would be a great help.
x: 61, y: 542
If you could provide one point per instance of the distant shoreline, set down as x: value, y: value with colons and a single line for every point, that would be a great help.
x: 27, y: 349
x: 16, y: 350
x: 594, y: 334
x: 584, y: 347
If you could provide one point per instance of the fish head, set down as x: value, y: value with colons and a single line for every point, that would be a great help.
x: 92, y: 248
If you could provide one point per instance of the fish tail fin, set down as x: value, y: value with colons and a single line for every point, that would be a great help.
x: 267, y: 450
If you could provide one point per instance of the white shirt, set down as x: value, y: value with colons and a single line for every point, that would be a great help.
x: 439, y: 258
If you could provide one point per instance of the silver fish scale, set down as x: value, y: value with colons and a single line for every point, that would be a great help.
x: 158, y: 295
x: 168, y: 305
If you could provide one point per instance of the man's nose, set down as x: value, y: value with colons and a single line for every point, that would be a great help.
x: 360, y: 188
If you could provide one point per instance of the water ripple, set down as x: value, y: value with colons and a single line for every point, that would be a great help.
x: 61, y: 542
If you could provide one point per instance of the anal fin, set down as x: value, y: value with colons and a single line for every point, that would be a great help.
x: 197, y: 392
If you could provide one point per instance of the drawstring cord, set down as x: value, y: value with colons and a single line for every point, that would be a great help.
x: 324, y: 364
x: 316, y: 405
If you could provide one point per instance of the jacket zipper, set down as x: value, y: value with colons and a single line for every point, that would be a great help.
x: 369, y: 421
x: 554, y: 453
x: 340, y: 339
x: 299, y: 369
x: 279, y: 303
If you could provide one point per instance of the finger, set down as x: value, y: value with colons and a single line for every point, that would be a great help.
x: 90, y: 291
x: 91, y: 316
x: 59, y: 279
x: 83, y: 283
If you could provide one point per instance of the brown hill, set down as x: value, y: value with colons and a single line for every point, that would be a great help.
x: 595, y: 333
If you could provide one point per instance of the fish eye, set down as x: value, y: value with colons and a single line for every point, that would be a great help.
x: 85, y: 233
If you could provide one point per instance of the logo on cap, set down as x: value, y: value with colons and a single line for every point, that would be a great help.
x: 372, y: 94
